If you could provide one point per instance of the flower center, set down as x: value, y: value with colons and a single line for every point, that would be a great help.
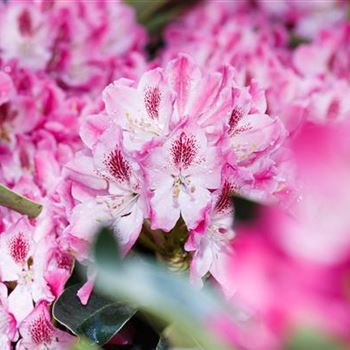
x: 144, y: 125
x: 118, y: 206
x: 182, y: 183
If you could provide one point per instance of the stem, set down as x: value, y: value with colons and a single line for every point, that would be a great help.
x: 15, y: 201
x: 147, y: 242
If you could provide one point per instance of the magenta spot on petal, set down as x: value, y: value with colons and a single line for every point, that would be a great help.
x: 236, y: 116
x: 222, y: 230
x: 19, y: 248
x: 64, y: 261
x: 333, y: 110
x: 223, y: 202
x: 183, y: 151
x: 25, y: 24
x: 152, y: 102
x: 118, y: 166
x: 49, y: 102
x: 41, y: 331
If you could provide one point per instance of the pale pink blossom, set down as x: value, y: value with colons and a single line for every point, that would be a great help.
x: 24, y: 261
x: 307, y: 18
x: 82, y: 45
x: 25, y: 34
x: 328, y: 72
x: 149, y: 110
x: 108, y: 188
x: 211, y: 239
x: 38, y: 332
x: 157, y: 150
x: 181, y: 173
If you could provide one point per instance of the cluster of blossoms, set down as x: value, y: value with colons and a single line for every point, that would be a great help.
x: 82, y: 45
x: 54, y: 56
x: 177, y: 143
x: 230, y: 107
x: 303, y: 255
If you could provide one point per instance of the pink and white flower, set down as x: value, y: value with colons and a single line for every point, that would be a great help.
x: 116, y: 196
x: 181, y: 173
x: 38, y: 332
x: 210, y: 240
x: 80, y: 44
x: 23, y: 261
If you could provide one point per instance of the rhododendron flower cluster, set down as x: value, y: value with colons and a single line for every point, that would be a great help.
x: 82, y: 45
x: 241, y: 99
x: 176, y: 143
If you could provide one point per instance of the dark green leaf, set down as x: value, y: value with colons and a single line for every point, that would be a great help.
x: 162, y: 344
x: 296, y: 40
x: 245, y: 209
x: 106, y: 249
x: 85, y: 344
x: 99, y: 320
x: 146, y: 9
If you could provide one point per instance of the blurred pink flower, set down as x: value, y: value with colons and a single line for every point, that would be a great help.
x: 83, y: 45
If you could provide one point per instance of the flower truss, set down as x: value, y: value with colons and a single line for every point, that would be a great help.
x: 177, y: 143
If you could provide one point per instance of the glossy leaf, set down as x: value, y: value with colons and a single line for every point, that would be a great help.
x: 85, y: 344
x: 162, y: 344
x: 99, y: 320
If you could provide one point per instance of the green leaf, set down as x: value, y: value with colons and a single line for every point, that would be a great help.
x: 296, y: 40
x: 99, y: 320
x: 162, y: 344
x: 311, y: 339
x: 146, y: 9
x: 246, y: 210
x: 84, y: 344
x: 15, y: 201
x: 106, y: 247
x: 166, y: 296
